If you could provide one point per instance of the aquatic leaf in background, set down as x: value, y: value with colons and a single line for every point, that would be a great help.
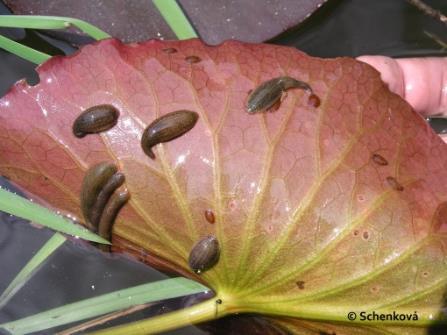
x: 215, y: 21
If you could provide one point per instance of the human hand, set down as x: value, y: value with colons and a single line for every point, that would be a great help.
x: 420, y: 81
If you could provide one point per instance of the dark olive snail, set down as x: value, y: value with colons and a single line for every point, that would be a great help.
x: 268, y: 95
x: 204, y: 255
x: 114, y: 182
x: 167, y: 128
x: 115, y: 203
x: 99, y: 202
x: 95, y: 120
x: 93, y: 183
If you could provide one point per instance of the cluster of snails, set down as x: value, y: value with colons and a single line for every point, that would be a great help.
x: 101, y: 199
x: 100, y: 203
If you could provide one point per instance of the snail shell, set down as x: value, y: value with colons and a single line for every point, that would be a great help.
x: 95, y: 119
x: 204, y: 255
x: 167, y: 128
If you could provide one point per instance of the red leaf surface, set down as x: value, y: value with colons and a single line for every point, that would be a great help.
x: 310, y: 226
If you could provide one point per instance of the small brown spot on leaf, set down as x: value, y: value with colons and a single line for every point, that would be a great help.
x: 356, y: 232
x: 425, y: 274
x: 232, y: 204
x: 192, y: 59
x: 365, y: 235
x: 375, y: 289
x: 300, y: 284
x: 394, y: 184
x: 169, y: 50
x: 379, y: 160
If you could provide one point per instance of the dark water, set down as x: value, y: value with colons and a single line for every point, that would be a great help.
x: 77, y: 271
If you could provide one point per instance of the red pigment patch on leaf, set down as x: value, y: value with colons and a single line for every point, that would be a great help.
x: 295, y: 193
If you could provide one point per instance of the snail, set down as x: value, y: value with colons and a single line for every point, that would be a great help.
x: 100, y: 203
x: 95, y: 119
x: 204, y: 255
x: 115, y: 203
x: 114, y: 182
x: 268, y: 95
x: 93, y: 182
x: 167, y: 128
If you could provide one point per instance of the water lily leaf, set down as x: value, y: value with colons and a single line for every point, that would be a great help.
x: 319, y: 211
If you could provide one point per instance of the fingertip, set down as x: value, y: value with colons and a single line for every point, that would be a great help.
x: 425, y: 83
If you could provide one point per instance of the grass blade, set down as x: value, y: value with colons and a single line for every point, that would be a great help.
x: 176, y: 19
x: 31, y: 267
x: 21, y: 207
x: 51, y: 22
x: 103, y: 319
x: 23, y: 51
x: 107, y: 303
x: 42, y: 22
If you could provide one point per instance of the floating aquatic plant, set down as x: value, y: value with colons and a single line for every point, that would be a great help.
x: 311, y: 224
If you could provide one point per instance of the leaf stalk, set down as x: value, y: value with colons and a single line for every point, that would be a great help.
x: 208, y: 310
